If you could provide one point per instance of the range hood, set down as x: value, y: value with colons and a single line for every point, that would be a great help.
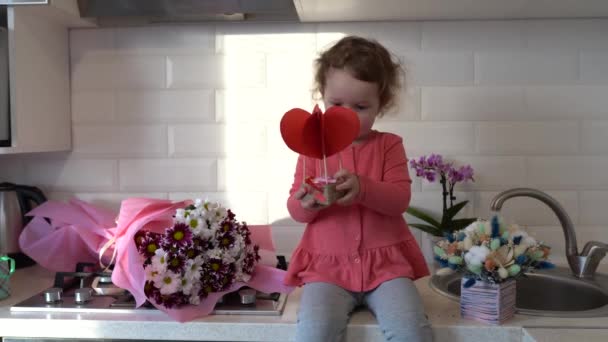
x: 145, y: 12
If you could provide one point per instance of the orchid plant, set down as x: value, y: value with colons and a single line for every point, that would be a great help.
x: 433, y: 168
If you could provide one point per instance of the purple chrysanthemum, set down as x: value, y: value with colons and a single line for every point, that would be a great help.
x: 179, y: 235
x: 149, y: 243
x: 176, y: 262
x: 226, y: 241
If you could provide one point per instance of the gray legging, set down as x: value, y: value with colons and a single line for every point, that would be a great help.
x: 325, y: 309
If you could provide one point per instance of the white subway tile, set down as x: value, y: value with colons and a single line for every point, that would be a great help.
x: 594, y: 66
x: 250, y: 207
x: 212, y: 71
x: 88, y: 44
x: 472, y: 35
x: 93, y: 106
x: 243, y: 174
x: 140, y: 72
x: 473, y: 103
x: 12, y: 169
x: 566, y: 34
x: 123, y: 140
x: 491, y: 173
x: 276, y: 145
x: 107, y: 200
x: 89, y: 75
x: 529, y: 211
x: 277, y: 208
x: 281, y: 178
x: 166, y: 39
x: 526, y: 67
x: 395, y: 36
x: 560, y: 137
x: 437, y: 137
x: 73, y: 174
x: 290, y: 70
x: 217, y: 140
x: 265, y: 37
x: 593, y: 208
x: 138, y: 106
x: 168, y: 175
x: 252, y: 105
x: 594, y: 137
x: 407, y: 107
x: 568, y: 172
x: 195, y: 105
x: 439, y: 68
x: 201, y: 71
x: 572, y: 102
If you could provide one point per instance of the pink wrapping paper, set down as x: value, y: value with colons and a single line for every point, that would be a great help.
x: 78, y: 231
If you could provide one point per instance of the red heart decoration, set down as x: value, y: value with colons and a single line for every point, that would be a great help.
x: 319, y: 134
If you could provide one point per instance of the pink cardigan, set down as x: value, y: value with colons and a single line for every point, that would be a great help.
x: 362, y: 245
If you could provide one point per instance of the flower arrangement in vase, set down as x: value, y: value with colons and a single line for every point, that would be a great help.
x: 490, y: 255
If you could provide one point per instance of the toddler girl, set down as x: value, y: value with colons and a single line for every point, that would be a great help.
x: 358, y: 251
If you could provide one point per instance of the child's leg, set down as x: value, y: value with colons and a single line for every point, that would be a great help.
x: 324, y: 312
x: 399, y: 311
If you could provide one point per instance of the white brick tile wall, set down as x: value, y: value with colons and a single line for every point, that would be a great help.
x: 179, y: 39
x: 93, y: 106
x: 439, y: 68
x: 472, y: 35
x: 447, y: 137
x: 526, y: 67
x: 568, y: 172
x: 200, y: 71
x: 473, y: 103
x: 524, y: 102
x: 122, y: 140
x: 396, y: 36
x: 567, y: 102
x: 593, y: 208
x: 528, y: 138
x: 594, y: 137
x: 65, y: 174
x: 594, y: 66
x: 265, y: 37
x: 217, y: 140
x: 168, y: 174
x: 566, y: 34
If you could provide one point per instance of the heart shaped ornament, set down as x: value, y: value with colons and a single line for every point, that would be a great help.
x: 319, y: 135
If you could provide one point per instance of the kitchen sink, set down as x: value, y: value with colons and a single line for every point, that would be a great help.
x: 552, y: 292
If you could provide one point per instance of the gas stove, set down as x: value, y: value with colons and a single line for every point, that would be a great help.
x: 89, y: 291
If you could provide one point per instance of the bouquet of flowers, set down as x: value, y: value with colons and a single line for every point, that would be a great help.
x: 491, y: 252
x: 205, y: 250
x: 432, y: 168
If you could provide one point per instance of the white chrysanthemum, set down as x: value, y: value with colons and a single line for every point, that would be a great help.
x: 187, y: 285
x: 198, y: 203
x: 180, y: 215
x: 476, y: 255
x: 169, y: 283
x: 215, y: 253
x: 194, y: 298
x: 193, y: 267
x: 159, y: 261
x: 153, y: 274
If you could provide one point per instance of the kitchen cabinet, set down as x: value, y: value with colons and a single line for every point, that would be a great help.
x: 39, y: 75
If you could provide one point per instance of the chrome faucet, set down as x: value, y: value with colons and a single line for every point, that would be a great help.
x: 582, y: 265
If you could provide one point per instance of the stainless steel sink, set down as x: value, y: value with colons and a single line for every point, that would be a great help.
x: 554, y: 292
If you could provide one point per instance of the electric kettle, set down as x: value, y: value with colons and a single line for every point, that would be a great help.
x: 15, y: 202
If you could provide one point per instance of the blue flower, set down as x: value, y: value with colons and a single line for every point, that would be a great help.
x: 470, y: 282
x: 520, y: 260
x: 442, y: 263
x: 517, y: 240
x: 495, y: 226
x: 545, y: 265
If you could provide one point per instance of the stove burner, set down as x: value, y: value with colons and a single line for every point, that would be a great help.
x: 90, y: 290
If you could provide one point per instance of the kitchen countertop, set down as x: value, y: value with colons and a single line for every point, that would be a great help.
x: 443, y: 314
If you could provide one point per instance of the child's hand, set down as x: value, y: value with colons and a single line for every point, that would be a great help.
x: 349, y: 183
x: 307, y: 202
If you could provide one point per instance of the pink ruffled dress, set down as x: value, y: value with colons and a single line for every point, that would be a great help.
x: 360, y: 246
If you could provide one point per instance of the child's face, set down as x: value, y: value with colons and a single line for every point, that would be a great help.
x: 342, y: 89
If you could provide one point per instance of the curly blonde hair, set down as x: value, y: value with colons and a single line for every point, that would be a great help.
x: 366, y: 60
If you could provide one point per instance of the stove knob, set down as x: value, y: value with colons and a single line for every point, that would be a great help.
x: 83, y: 295
x: 247, y: 296
x: 52, y: 295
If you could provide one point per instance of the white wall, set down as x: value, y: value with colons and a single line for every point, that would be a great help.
x: 177, y: 111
